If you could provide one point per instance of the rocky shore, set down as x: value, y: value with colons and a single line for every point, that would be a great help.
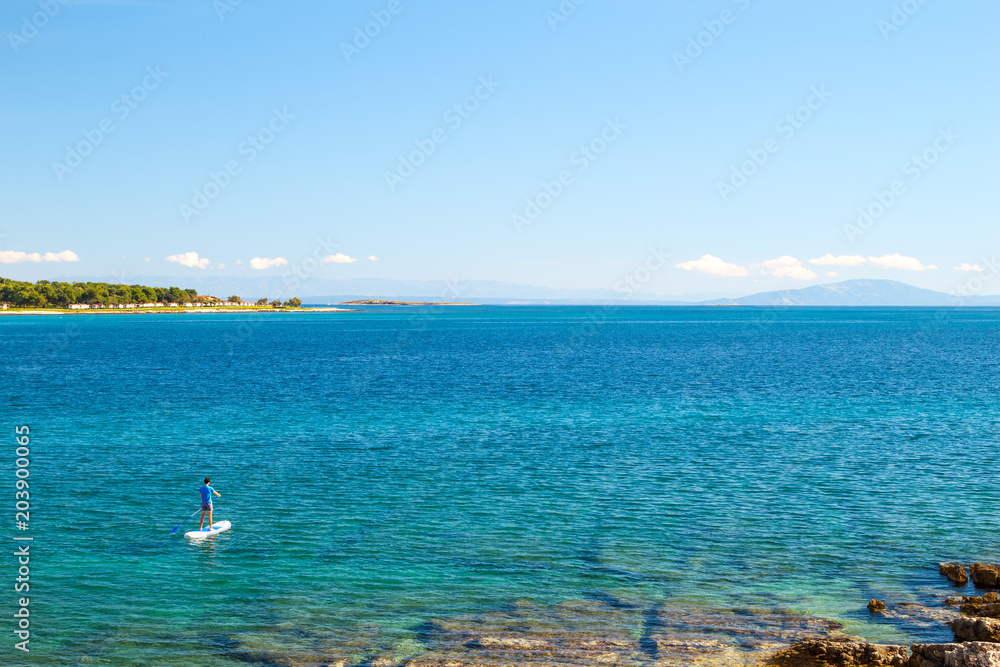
x: 610, y: 631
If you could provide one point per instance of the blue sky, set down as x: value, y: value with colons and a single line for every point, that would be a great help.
x: 739, y: 137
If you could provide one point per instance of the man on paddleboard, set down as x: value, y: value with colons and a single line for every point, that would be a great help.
x: 206, y: 503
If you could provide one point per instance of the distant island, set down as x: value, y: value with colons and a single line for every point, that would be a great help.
x: 383, y: 302
x: 861, y: 292
x: 79, y: 296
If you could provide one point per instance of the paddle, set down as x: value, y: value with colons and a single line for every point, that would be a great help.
x: 182, y: 522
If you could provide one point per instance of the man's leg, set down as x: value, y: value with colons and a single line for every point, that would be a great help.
x: 210, y: 519
x: 202, y: 520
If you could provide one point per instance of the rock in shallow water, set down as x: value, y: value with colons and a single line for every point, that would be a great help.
x: 976, y: 629
x: 981, y: 606
x: 970, y: 654
x: 840, y: 652
x: 987, y: 576
x: 955, y: 573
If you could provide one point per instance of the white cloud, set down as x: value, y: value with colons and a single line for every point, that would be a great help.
x: 714, y: 266
x: 261, y: 263
x: 968, y: 267
x: 190, y: 259
x: 372, y: 258
x: 146, y: 259
x: 64, y: 256
x: 786, y: 267
x: 832, y: 274
x: 840, y: 260
x: 221, y: 266
x: 17, y: 257
x: 897, y: 261
x: 339, y: 258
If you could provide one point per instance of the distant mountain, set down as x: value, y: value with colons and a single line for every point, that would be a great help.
x: 857, y: 293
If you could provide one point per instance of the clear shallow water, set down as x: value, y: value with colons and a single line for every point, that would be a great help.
x: 386, y: 467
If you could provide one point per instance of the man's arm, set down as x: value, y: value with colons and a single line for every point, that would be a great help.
x: 216, y: 493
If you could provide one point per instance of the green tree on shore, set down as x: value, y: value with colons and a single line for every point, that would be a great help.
x: 45, y: 293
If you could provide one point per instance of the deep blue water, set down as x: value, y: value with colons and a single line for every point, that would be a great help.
x: 385, y: 467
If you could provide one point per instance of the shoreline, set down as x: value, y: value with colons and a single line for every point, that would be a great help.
x: 172, y: 311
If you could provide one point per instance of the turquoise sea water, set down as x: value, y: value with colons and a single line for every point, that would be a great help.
x: 386, y: 467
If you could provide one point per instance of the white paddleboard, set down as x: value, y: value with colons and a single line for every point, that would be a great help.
x: 217, y: 527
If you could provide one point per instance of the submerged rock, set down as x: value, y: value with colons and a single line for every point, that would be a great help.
x: 970, y: 654
x: 929, y: 622
x: 587, y: 632
x: 840, y: 652
x: 955, y: 573
x: 608, y: 631
x: 287, y: 646
x: 580, y: 632
x: 876, y: 605
x: 679, y: 637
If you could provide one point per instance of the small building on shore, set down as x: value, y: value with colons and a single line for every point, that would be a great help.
x: 79, y: 306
